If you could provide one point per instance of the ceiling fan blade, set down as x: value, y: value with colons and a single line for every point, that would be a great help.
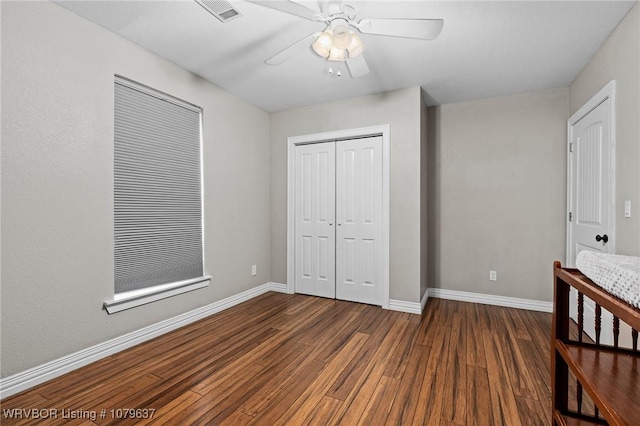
x: 425, y: 29
x: 291, y: 51
x: 288, y: 6
x: 358, y: 66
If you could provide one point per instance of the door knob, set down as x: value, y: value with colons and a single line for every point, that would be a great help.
x: 330, y: 223
x: 604, y: 238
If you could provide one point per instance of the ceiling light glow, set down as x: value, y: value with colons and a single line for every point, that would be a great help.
x: 336, y: 54
x: 322, y: 45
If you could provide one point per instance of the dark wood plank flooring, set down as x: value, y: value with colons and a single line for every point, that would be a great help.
x: 292, y: 359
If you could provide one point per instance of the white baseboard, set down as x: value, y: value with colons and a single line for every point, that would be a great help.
x: 279, y: 287
x: 402, y: 306
x: 34, y: 376
x: 423, y: 302
x: 488, y: 299
x: 410, y: 307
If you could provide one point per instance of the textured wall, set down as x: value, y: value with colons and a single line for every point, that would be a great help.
x: 499, y: 197
x: 400, y: 109
x: 619, y: 59
x: 57, y: 184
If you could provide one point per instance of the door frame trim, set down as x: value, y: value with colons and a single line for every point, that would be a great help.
x: 607, y: 92
x: 362, y: 132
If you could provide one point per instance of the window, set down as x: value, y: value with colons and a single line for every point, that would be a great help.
x: 158, y: 247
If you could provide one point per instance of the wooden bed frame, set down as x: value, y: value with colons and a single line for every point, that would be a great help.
x: 609, y: 374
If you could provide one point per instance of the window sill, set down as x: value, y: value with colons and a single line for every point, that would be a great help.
x: 131, y: 299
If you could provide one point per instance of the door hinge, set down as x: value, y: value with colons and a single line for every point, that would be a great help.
x: 570, y: 146
x: 570, y: 216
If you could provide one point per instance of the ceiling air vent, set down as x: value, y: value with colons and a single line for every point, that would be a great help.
x: 220, y: 9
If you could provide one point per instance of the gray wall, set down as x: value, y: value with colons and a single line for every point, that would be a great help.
x: 499, y: 197
x: 57, y: 179
x: 619, y: 59
x: 400, y: 109
x: 424, y: 197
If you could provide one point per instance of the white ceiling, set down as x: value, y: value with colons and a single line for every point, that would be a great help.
x: 485, y: 48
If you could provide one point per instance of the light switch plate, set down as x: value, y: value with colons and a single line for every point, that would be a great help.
x: 627, y: 208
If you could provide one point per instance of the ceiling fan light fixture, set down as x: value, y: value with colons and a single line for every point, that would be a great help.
x: 323, y: 44
x: 356, y: 47
x: 336, y: 54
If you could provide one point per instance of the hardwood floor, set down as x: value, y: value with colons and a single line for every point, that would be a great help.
x: 299, y: 360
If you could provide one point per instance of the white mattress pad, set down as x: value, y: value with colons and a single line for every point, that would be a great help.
x: 617, y: 274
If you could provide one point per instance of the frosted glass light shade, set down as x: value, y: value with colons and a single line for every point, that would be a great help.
x: 356, y: 47
x: 341, y: 36
x: 323, y: 43
x: 336, y: 54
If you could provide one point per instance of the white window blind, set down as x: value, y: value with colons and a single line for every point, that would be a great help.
x: 157, y: 189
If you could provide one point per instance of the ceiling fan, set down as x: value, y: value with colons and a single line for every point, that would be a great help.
x: 340, y: 40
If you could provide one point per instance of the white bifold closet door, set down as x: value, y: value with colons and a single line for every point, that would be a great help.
x: 359, y: 220
x: 315, y: 240
x: 338, y: 223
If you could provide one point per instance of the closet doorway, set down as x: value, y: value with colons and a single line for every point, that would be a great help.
x: 338, y: 215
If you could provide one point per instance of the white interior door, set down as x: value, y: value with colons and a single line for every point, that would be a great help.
x: 591, y: 197
x: 314, y: 217
x: 359, y: 220
x: 589, y: 225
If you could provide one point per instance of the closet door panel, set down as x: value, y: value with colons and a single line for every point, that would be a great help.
x: 314, y: 217
x: 359, y: 220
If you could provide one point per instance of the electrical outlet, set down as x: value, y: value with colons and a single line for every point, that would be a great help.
x: 254, y: 269
x: 493, y: 276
